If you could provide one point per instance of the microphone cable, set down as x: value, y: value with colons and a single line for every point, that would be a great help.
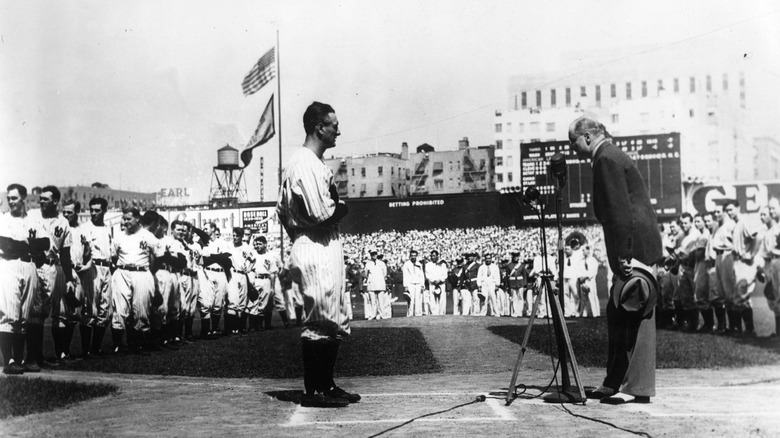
x: 478, y: 399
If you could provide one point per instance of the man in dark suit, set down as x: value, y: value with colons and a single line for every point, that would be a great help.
x: 622, y: 206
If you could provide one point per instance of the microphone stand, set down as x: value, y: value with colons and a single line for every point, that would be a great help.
x: 565, y: 392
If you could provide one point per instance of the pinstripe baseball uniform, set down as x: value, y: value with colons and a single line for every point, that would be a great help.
x: 237, y: 286
x: 132, y: 284
x: 263, y: 275
x: 80, y: 256
x: 213, y: 282
x: 188, y: 281
x: 18, y: 277
x: 96, y: 310
x: 746, y: 245
x: 306, y: 202
x: 772, y: 269
x: 167, y: 283
x: 52, y: 286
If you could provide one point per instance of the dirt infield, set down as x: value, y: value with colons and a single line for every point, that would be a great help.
x: 715, y: 402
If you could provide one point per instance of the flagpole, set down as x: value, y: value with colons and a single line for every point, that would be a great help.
x: 279, y: 103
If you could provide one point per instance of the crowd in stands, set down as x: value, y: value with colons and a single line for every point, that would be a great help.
x: 453, y: 243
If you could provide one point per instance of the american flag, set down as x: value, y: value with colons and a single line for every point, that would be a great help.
x: 261, y: 73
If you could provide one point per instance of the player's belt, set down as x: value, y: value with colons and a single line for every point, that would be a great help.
x: 105, y: 263
x: 166, y: 267
x: 240, y: 271
x: 721, y: 251
x: 214, y: 269
x: 263, y: 276
x: 24, y: 258
x: 51, y: 262
x: 189, y: 272
x: 133, y: 268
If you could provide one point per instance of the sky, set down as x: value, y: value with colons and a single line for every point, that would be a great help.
x: 141, y: 95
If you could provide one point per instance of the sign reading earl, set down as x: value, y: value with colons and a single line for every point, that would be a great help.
x: 173, y: 196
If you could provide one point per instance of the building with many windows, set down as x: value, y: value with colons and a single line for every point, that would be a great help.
x: 707, y: 106
x: 425, y: 172
x: 374, y: 175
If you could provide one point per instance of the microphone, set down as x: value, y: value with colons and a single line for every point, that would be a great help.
x: 558, y: 168
x: 531, y: 195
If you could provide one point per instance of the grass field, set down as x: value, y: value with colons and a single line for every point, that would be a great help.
x: 389, y: 350
x: 20, y: 396
x: 276, y: 354
x: 674, y: 349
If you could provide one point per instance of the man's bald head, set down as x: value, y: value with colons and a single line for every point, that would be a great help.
x: 583, y: 125
x: 585, y: 134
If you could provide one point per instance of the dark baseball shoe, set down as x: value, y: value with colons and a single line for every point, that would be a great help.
x: 49, y: 363
x: 31, y: 367
x: 322, y: 401
x: 14, y: 368
x: 337, y: 392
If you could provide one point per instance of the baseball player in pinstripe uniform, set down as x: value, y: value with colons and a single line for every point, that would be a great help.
x: 772, y: 263
x: 82, y: 264
x: 310, y: 211
x: 56, y: 276
x: 214, y: 280
x: 722, y: 245
x: 168, y: 262
x: 132, y: 284
x: 241, y: 257
x: 745, y: 239
x: 18, y: 282
x: 96, y: 310
x: 188, y: 280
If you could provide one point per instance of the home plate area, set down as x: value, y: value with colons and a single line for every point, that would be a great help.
x: 420, y: 407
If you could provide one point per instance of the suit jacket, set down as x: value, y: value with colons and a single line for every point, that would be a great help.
x: 622, y: 206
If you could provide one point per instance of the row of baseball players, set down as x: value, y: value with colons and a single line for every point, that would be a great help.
x: 143, y: 282
x: 715, y: 261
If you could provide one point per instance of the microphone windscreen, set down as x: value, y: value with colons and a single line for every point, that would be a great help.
x: 558, y: 168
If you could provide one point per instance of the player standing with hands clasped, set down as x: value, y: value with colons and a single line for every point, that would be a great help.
x: 310, y: 211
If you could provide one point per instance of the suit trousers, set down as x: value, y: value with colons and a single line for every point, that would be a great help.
x: 631, y: 355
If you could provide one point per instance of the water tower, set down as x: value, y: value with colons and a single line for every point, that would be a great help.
x: 228, y: 186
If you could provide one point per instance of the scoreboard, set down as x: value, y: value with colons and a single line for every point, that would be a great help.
x: 656, y: 156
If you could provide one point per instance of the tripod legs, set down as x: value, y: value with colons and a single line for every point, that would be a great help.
x: 510, y: 393
x: 564, y: 394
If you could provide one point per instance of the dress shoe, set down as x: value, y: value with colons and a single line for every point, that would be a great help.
x: 14, y: 368
x: 621, y: 398
x: 600, y: 392
x: 322, y: 401
x: 337, y: 392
